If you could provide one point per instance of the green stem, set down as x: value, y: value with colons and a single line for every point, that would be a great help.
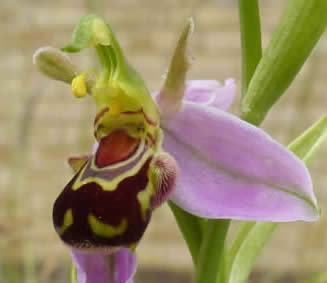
x: 250, y: 40
x: 301, y: 26
x: 211, y: 251
x: 191, y: 227
x: 212, y: 247
x: 223, y: 272
x: 210, y: 261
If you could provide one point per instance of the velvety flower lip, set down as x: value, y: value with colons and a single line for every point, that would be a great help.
x: 118, y: 267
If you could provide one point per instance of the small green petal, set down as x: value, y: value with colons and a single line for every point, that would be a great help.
x: 93, y: 31
x: 90, y: 31
x: 55, y: 64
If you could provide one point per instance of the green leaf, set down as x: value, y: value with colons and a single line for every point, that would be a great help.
x: 191, y: 227
x: 243, y: 231
x: 300, y: 27
x: 307, y: 145
x: 248, y: 243
x: 211, y: 251
x: 250, y: 39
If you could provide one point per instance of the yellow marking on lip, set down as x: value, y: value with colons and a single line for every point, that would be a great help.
x: 76, y: 163
x: 68, y: 221
x: 112, y: 184
x: 144, y: 198
x: 132, y: 247
x: 105, y: 230
x: 115, y: 108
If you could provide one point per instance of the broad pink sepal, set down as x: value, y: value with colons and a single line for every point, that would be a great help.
x: 211, y: 93
x: 231, y: 169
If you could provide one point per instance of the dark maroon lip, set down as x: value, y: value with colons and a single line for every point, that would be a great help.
x: 110, y: 207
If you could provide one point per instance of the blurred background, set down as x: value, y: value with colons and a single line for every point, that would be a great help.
x: 42, y: 125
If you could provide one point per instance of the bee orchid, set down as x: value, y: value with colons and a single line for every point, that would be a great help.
x: 178, y: 144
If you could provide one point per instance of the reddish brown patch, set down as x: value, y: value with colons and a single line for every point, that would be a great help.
x: 116, y: 147
x: 97, y: 131
x: 100, y: 114
x: 151, y: 138
x: 77, y: 162
x: 147, y: 119
x: 83, y: 158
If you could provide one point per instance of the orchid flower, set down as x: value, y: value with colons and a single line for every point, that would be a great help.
x: 178, y: 144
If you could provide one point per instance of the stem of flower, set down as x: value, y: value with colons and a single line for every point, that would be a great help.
x: 210, y: 259
x: 301, y: 26
x: 211, y: 251
x: 250, y: 39
x: 191, y: 227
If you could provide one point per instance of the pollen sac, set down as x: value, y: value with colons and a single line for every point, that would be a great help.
x: 79, y: 86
